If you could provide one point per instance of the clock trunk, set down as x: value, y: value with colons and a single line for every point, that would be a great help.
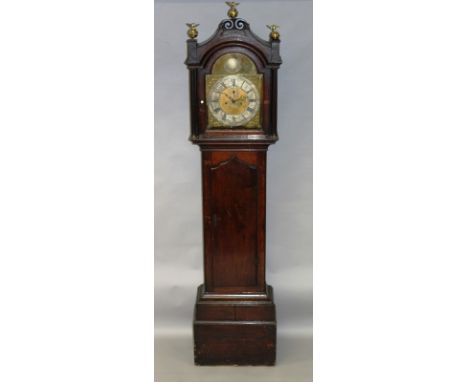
x: 234, y: 220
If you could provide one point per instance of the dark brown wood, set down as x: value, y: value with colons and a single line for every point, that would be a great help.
x: 242, y: 343
x: 200, y: 59
x: 234, y: 317
x: 234, y: 187
x: 235, y: 332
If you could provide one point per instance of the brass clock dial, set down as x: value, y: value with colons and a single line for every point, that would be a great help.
x: 233, y: 100
x: 234, y: 93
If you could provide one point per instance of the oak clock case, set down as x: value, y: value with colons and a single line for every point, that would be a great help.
x: 233, y: 108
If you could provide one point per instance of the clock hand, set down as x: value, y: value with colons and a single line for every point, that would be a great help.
x: 232, y: 99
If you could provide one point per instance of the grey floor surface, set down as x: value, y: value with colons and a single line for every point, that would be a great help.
x: 174, y: 363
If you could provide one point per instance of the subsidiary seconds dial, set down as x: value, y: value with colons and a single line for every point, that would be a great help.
x: 233, y: 100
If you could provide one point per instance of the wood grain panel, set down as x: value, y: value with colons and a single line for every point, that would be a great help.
x: 234, y: 218
x: 234, y: 195
x: 235, y: 343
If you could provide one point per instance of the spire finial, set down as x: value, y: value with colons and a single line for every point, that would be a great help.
x: 232, y: 13
x: 274, y: 35
x: 192, y: 31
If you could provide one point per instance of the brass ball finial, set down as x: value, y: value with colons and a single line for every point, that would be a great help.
x: 274, y: 35
x: 192, y: 31
x: 232, y: 13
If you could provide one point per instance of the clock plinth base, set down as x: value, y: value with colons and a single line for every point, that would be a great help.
x: 234, y: 329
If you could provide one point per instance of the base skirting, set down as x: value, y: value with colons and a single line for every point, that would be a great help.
x: 235, y: 331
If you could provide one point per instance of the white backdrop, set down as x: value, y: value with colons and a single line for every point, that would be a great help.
x: 178, y: 216
x: 390, y: 206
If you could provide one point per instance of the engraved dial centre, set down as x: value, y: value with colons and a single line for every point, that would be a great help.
x: 233, y: 101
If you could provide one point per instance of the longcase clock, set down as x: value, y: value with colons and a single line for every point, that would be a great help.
x: 233, y: 105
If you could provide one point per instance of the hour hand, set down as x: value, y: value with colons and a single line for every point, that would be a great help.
x: 232, y: 99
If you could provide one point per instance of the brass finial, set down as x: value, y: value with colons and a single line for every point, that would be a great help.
x: 232, y: 13
x: 274, y: 35
x: 192, y: 32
